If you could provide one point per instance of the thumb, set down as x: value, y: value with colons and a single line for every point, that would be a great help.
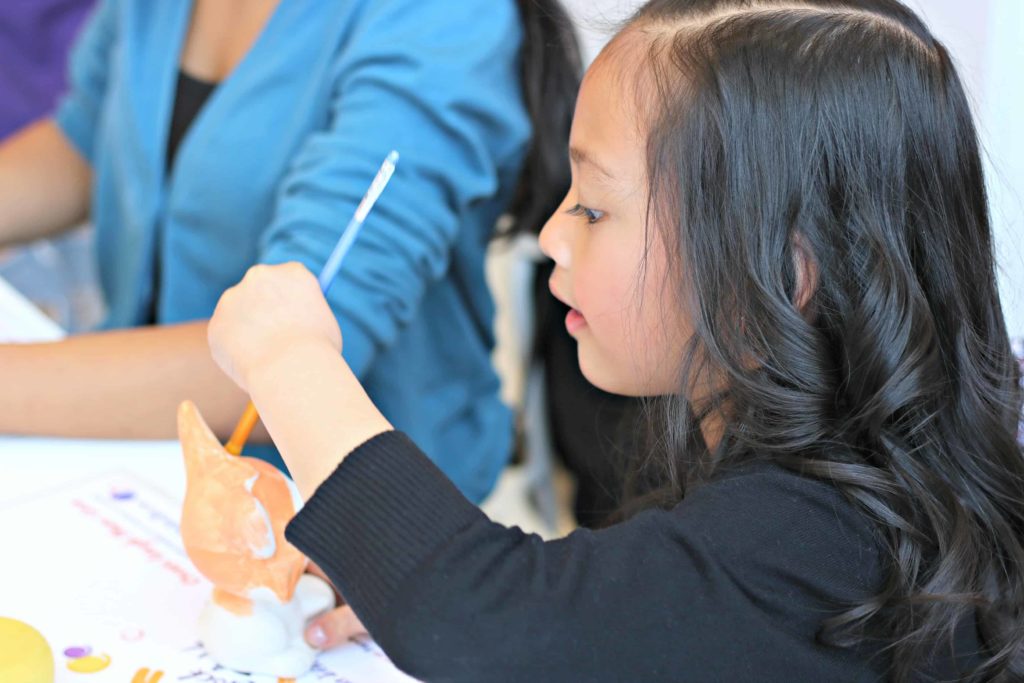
x: 334, y: 628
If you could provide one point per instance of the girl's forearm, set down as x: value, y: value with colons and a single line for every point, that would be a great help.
x: 315, y: 409
x: 123, y: 384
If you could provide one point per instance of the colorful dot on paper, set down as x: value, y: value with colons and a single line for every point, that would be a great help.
x: 119, y: 494
x: 89, y: 664
x: 78, y: 651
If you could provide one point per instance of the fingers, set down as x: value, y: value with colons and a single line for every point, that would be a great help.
x: 334, y: 628
x: 315, y: 570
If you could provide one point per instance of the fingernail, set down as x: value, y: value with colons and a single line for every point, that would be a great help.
x: 316, y: 636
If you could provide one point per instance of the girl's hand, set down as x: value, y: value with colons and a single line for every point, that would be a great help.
x: 336, y: 627
x: 273, y: 310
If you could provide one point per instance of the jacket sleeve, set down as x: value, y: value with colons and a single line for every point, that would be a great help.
x: 89, y: 64
x: 438, y: 82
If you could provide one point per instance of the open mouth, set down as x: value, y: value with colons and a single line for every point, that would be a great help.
x: 574, y: 320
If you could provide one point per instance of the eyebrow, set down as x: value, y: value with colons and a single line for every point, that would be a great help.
x: 581, y: 156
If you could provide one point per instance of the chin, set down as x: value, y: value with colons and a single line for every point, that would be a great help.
x: 602, y: 377
x: 620, y: 381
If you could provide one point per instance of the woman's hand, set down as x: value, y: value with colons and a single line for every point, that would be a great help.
x: 273, y: 310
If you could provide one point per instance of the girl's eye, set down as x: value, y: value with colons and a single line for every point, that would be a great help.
x: 592, y: 215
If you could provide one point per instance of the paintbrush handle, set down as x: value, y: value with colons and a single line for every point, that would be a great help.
x: 244, y: 427
x: 348, y: 237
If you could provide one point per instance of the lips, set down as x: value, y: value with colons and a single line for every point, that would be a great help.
x: 574, y: 320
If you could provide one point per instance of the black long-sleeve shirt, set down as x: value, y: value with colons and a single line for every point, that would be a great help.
x: 730, y: 585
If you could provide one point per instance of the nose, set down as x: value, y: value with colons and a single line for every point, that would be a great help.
x: 554, y: 239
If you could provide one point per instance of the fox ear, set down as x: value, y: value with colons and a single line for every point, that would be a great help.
x: 198, y: 443
x: 234, y: 514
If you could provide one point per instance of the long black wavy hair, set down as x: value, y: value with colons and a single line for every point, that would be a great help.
x: 837, y: 134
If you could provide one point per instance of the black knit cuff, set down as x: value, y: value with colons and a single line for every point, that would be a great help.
x: 379, y: 516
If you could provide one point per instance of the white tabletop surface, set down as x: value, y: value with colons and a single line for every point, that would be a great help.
x: 29, y: 466
x: 105, y: 602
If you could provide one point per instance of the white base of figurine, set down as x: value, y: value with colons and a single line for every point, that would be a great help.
x: 269, y: 641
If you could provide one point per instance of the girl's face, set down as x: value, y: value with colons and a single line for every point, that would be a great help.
x: 609, y: 268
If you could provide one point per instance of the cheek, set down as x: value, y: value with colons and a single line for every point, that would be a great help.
x: 605, y: 291
x: 633, y: 345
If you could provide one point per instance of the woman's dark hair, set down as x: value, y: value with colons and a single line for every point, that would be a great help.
x: 837, y: 134
x: 550, y: 70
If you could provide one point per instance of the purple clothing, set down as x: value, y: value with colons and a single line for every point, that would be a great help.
x: 35, y: 36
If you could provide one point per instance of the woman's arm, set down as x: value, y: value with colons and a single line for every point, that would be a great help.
x: 123, y: 384
x: 44, y: 184
x: 439, y: 83
x: 45, y: 173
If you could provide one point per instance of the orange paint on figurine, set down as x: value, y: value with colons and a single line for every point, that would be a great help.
x: 232, y: 526
x: 246, y: 549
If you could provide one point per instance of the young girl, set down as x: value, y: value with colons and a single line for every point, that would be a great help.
x: 778, y: 223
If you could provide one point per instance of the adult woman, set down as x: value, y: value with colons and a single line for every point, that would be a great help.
x: 206, y: 137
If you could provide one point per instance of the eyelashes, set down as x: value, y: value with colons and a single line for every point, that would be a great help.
x: 592, y: 215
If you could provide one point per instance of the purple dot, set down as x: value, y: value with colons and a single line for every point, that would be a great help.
x: 123, y: 495
x: 77, y: 652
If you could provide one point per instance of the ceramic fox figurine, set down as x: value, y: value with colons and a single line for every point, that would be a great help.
x: 232, y: 525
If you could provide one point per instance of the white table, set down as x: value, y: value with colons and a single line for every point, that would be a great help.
x: 82, y: 578
x: 29, y: 466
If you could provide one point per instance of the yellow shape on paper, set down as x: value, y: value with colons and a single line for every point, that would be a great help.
x: 144, y: 676
x: 25, y: 656
x: 90, y: 664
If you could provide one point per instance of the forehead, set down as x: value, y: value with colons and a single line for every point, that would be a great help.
x: 608, y: 118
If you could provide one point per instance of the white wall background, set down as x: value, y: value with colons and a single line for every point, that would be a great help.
x: 986, y: 37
